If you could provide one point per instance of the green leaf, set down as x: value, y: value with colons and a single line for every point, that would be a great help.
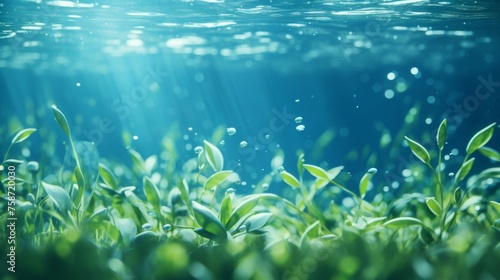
x: 495, y: 205
x: 363, y: 183
x: 300, y: 164
x: 311, y: 232
x: 184, y: 190
x: 226, y: 208
x: 243, y: 208
x: 217, y: 179
x: 137, y: 160
x: 204, y: 233
x: 213, y: 156
x: 207, y: 220
x: 61, y: 120
x: 402, y: 222
x: 493, y: 172
x: 257, y: 221
x: 152, y: 193
x: 80, y: 181
x: 434, y: 206
x: 480, y: 139
x: 290, y: 179
x: 332, y: 173
x: 318, y: 172
x: 107, y: 176
x: 471, y: 201
x: 419, y: 151
x: 441, y: 134
x: 464, y: 170
x: 457, y: 195
x: 22, y: 135
x: 59, y: 196
x: 99, y: 215
x: 490, y: 153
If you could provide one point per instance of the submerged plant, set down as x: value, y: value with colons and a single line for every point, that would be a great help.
x: 153, y: 221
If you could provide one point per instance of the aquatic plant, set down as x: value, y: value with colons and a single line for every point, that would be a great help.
x: 192, y: 224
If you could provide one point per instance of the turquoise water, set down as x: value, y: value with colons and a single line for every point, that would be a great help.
x: 363, y: 71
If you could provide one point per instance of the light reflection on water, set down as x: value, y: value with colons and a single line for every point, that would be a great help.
x: 61, y: 34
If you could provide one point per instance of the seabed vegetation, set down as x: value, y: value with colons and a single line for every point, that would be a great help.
x: 98, y: 219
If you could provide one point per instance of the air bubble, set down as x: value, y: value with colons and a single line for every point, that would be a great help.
x: 231, y: 131
x: 298, y: 119
x: 243, y: 144
x: 167, y: 227
x: 265, y: 186
x: 146, y: 226
x: 300, y: 127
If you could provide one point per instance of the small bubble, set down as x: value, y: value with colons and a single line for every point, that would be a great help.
x: 78, y: 84
x: 428, y: 121
x: 190, y: 128
x: 146, y: 226
x: 265, y: 186
x: 300, y: 127
x: 386, y: 189
x: 135, y: 137
x: 281, y: 169
x: 297, y: 100
x: 298, y: 119
x: 33, y: 166
x: 414, y: 71
x: 389, y: 94
x: 231, y: 131
x: 243, y: 144
x: 372, y: 170
x: 198, y: 149
x: 230, y: 191
x: 242, y: 228
x: 447, y: 157
x: 454, y: 152
x: 267, y: 136
x: 391, y: 76
x: 451, y: 174
x: 222, y: 142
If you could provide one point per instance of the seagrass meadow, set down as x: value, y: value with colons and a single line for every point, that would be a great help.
x: 249, y: 140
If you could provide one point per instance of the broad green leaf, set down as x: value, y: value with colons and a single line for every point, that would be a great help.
x: 22, y: 135
x: 59, y: 196
x: 243, y: 208
x: 311, y: 232
x: 471, y: 201
x: 226, y: 208
x: 290, y: 179
x: 257, y: 221
x: 61, y: 120
x: 363, y: 184
x: 318, y: 172
x: 332, y: 173
x: 441, y: 134
x: 217, y: 179
x: 419, y: 151
x: 480, y: 139
x: 204, y: 233
x: 434, y: 206
x: 213, y: 156
x: 207, y: 220
x: 402, y: 222
x: 150, y: 163
x: 495, y: 205
x: 464, y: 170
x: 493, y: 172
x: 490, y: 153
x: 99, y: 215
x: 152, y: 193
x: 201, y: 160
x: 107, y: 176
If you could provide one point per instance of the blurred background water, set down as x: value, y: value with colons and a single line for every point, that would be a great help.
x: 358, y: 74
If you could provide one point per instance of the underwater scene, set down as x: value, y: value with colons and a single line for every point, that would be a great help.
x: 219, y: 139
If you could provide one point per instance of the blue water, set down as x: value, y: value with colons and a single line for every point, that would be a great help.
x: 359, y: 69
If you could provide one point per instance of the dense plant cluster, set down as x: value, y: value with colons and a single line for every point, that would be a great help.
x: 89, y: 223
